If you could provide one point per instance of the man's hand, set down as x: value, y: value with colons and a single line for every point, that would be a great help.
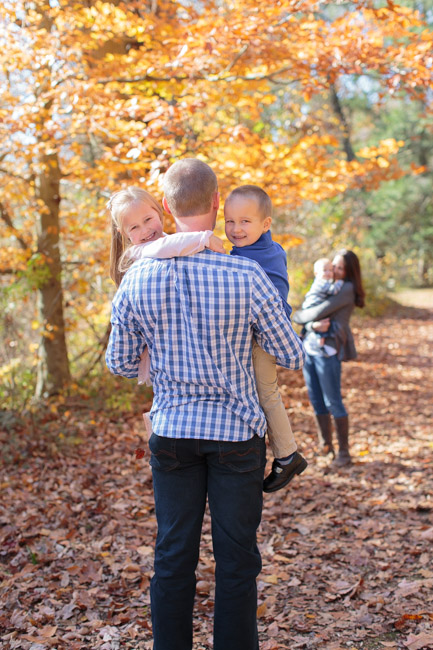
x: 321, y: 325
x: 216, y: 244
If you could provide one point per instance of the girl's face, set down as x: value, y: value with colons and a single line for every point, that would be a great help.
x: 141, y: 223
x: 339, y: 267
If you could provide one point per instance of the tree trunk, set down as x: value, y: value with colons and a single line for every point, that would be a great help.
x: 53, y: 368
x: 344, y: 127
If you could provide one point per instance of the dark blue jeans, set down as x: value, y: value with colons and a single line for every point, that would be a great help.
x: 230, y: 474
x: 323, y: 380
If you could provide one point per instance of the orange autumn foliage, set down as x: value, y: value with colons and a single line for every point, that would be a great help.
x: 100, y: 94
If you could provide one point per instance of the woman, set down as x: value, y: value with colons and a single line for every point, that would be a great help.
x: 322, y: 368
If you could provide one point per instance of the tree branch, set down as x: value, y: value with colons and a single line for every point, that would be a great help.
x: 9, y: 173
x: 338, y: 110
x: 237, y: 57
x: 4, y: 215
x: 101, y: 346
x: 203, y: 77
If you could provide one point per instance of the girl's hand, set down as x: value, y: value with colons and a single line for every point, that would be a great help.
x: 216, y: 244
x: 321, y: 325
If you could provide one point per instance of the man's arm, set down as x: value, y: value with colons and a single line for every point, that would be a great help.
x: 271, y: 326
x: 327, y: 307
x: 126, y: 341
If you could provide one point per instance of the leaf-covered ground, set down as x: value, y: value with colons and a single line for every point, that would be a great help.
x: 347, y: 554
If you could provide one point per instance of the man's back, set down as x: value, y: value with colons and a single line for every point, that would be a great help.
x: 197, y: 315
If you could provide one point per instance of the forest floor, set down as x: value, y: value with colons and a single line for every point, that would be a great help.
x: 347, y: 554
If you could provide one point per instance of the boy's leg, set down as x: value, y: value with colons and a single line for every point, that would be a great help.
x: 280, y: 432
x: 288, y: 461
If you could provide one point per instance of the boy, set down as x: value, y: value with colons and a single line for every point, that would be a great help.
x: 322, y: 287
x: 248, y: 218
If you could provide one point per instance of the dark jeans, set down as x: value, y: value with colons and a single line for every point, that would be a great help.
x: 231, y: 475
x: 323, y: 380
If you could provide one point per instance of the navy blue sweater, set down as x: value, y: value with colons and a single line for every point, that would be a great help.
x: 273, y: 260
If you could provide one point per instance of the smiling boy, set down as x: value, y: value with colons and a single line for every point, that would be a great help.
x: 248, y: 218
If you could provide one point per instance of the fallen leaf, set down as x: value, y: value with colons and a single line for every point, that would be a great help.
x: 419, y: 641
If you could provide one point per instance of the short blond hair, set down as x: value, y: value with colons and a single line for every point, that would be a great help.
x: 320, y: 263
x: 118, y: 205
x: 258, y: 195
x: 189, y: 188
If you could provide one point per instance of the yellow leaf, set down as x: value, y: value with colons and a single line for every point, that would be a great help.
x: 382, y: 162
x: 272, y: 580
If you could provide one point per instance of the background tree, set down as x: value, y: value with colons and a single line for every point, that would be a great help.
x: 101, y: 94
x: 394, y: 219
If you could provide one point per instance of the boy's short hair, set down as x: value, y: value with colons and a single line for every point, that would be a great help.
x: 256, y: 193
x: 320, y: 263
x: 189, y: 187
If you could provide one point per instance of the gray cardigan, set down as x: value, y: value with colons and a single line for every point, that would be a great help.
x: 339, y: 308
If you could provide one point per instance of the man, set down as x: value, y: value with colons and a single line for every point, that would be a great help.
x: 197, y: 315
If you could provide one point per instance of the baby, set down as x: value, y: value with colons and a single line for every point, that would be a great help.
x: 322, y: 287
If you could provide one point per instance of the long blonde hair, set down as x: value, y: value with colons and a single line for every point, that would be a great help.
x: 118, y: 205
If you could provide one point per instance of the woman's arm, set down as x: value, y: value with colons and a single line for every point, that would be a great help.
x: 326, y: 308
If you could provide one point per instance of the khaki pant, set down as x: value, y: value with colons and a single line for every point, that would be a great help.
x: 280, y: 432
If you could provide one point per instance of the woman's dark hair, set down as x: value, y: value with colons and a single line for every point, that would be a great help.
x: 353, y: 274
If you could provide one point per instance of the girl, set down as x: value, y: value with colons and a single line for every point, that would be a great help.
x: 137, y: 232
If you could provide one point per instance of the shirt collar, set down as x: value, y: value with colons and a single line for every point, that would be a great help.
x: 263, y: 242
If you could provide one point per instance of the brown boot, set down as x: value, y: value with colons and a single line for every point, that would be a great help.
x: 343, y: 458
x: 324, y: 426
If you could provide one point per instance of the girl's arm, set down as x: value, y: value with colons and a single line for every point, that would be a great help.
x: 345, y: 297
x: 180, y: 244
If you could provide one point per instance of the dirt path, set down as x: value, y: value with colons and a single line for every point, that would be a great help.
x: 359, y: 541
x: 347, y: 555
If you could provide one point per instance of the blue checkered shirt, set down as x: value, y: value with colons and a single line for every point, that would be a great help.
x: 197, y: 315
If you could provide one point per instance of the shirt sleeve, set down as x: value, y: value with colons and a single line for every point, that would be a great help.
x: 271, y: 326
x: 336, y: 287
x: 327, y: 307
x: 126, y: 342
x: 179, y: 244
x: 329, y: 287
x: 315, y: 288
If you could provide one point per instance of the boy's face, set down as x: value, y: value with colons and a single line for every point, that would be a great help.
x: 243, y: 221
x: 141, y: 223
x: 326, y: 272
